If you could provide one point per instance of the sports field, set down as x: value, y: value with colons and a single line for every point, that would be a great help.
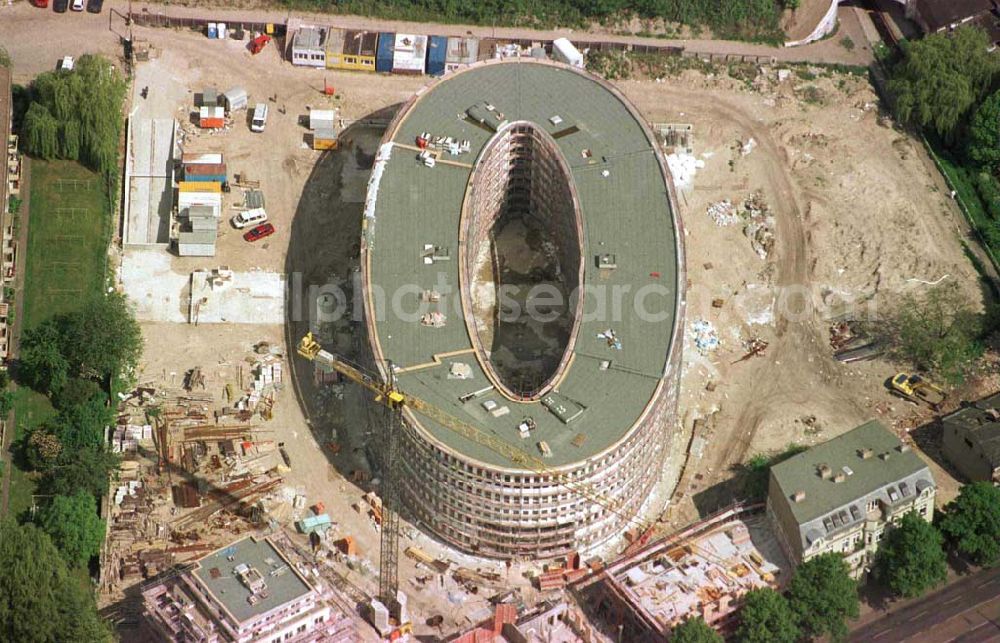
x: 67, y: 239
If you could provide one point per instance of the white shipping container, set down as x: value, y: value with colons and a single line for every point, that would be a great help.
x: 322, y: 119
x: 200, y: 158
x: 409, y: 54
x: 564, y: 51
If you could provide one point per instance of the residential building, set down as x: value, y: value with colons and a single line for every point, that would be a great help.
x: 841, y: 495
x: 247, y: 592
x: 971, y: 439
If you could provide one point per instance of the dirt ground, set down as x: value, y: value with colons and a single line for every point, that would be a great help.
x: 857, y: 214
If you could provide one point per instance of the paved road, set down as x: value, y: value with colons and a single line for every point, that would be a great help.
x: 967, y: 611
x: 36, y: 38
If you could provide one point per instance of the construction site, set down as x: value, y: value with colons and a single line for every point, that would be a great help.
x: 458, y: 470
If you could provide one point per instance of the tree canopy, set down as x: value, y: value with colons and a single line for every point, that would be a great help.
x: 695, y: 630
x: 910, y: 558
x: 971, y: 523
x: 766, y: 617
x: 983, y: 143
x: 76, y: 115
x: 823, y: 595
x: 941, y: 77
x: 937, y: 331
x: 39, y: 599
x: 74, y: 526
x: 99, y: 341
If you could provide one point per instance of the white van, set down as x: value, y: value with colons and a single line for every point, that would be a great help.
x: 250, y: 217
x: 259, y: 119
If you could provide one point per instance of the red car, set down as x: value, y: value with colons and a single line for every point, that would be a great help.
x: 258, y: 233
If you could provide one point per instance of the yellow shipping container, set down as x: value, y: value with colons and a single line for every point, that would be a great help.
x: 199, y: 186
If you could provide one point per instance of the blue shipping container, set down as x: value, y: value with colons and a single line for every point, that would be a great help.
x: 210, y: 178
x: 212, y: 30
x: 437, y: 55
x: 383, y: 54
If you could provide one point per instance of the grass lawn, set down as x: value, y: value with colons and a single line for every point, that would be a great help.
x: 68, y: 231
x: 31, y: 409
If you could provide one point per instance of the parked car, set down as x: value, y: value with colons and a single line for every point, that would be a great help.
x: 60, y: 6
x: 250, y: 217
x: 95, y: 6
x: 77, y: 5
x: 258, y: 233
x: 259, y: 118
x: 41, y: 4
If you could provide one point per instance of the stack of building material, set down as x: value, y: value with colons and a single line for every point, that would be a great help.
x: 199, y: 204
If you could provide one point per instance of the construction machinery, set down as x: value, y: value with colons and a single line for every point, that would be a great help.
x: 916, y: 389
x: 391, y: 398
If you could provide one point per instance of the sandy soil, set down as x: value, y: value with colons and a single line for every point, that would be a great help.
x: 858, y: 216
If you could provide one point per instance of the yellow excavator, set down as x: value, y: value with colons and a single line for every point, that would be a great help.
x: 912, y: 387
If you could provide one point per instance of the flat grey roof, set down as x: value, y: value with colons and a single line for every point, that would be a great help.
x: 975, y: 424
x: 800, y: 473
x: 217, y: 573
x: 309, y: 37
x: 626, y: 210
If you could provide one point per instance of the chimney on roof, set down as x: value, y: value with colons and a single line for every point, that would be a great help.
x: 799, y: 496
x: 885, y: 456
x: 865, y: 453
x: 903, y: 448
x: 825, y: 471
x: 840, y: 477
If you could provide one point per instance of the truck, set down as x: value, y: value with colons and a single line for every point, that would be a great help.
x: 916, y: 389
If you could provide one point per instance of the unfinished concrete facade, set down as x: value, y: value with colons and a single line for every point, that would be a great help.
x: 566, y: 150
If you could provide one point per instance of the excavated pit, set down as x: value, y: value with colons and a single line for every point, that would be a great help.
x: 523, y: 261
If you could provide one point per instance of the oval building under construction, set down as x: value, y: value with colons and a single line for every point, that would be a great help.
x: 522, y: 266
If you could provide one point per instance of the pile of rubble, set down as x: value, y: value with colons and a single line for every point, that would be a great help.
x: 706, y: 338
x: 724, y: 213
x: 760, y: 224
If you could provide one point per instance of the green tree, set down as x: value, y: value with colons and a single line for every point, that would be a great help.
x: 941, y: 77
x: 4, y: 58
x: 77, y: 392
x: 83, y: 425
x: 823, y: 595
x: 41, y: 132
x: 39, y: 599
x: 971, y: 523
x: 42, y: 449
x: 86, y: 469
x: 983, y: 144
x: 42, y: 365
x: 766, y: 617
x: 695, y: 630
x: 74, y: 526
x: 937, y: 331
x: 102, y: 339
x: 910, y: 558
